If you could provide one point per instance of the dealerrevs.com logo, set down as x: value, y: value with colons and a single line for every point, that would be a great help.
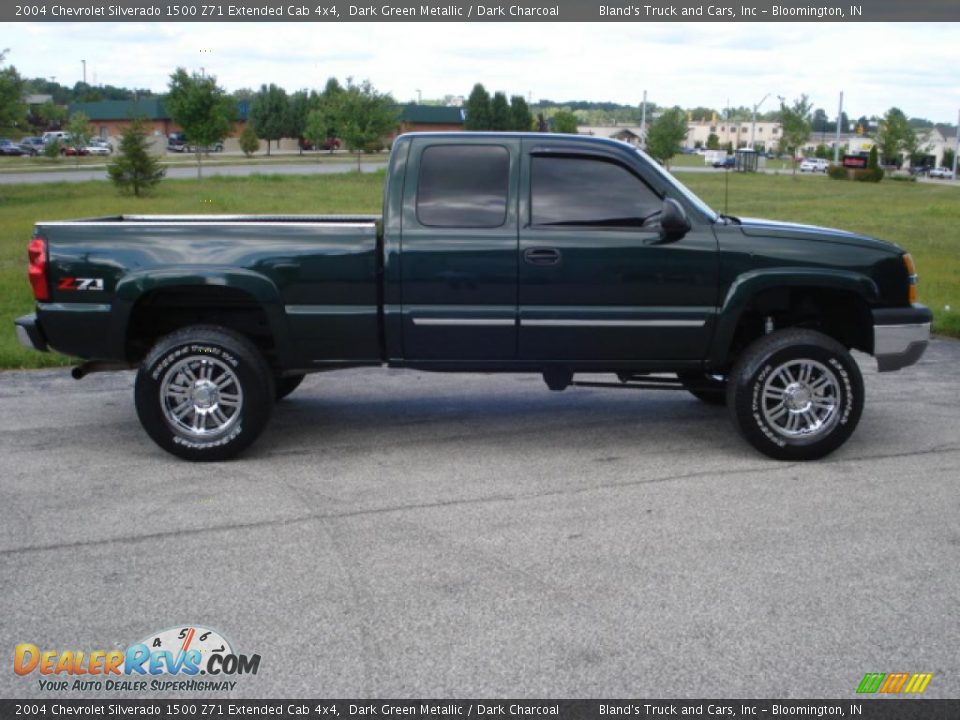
x: 166, y: 661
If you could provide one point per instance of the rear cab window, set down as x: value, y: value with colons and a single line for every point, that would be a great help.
x: 463, y: 186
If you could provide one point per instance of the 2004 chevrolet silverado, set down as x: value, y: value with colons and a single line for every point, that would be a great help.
x: 496, y: 252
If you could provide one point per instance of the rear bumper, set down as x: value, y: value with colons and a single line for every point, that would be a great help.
x: 29, y: 333
x: 900, y: 336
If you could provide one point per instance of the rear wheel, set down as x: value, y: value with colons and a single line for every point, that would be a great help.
x: 795, y: 395
x: 204, y: 393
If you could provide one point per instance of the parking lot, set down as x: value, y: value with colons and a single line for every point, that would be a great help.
x: 397, y: 533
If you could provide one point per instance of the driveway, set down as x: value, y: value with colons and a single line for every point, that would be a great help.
x: 398, y: 533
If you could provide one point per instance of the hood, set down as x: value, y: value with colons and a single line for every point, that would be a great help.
x: 758, y: 227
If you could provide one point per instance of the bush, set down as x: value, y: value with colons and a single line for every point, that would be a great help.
x: 873, y: 175
x: 903, y: 178
x: 249, y: 142
x: 135, y: 169
x: 52, y: 149
x: 838, y: 172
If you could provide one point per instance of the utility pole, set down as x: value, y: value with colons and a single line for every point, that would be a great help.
x: 753, y: 126
x: 643, y: 122
x: 84, y: 71
x: 836, y: 145
x: 419, y: 97
x: 956, y: 147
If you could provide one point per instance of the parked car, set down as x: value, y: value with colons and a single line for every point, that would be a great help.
x: 814, y: 165
x: 608, y: 264
x: 942, y: 172
x: 728, y: 162
x: 216, y: 147
x: 328, y: 144
x: 101, y: 142
x: 32, y: 145
x: 58, y: 135
x: 176, y: 142
x: 8, y: 147
x: 73, y: 150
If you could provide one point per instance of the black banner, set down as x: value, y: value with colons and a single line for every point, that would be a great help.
x: 724, y: 709
x: 617, y: 11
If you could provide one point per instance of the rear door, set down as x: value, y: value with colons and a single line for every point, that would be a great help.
x: 459, y: 249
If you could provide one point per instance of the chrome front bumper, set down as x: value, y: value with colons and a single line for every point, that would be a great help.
x: 900, y: 336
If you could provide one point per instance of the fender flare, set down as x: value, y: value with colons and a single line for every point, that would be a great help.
x: 135, y: 285
x: 749, y: 284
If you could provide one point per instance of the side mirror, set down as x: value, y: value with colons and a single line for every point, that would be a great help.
x: 674, y: 223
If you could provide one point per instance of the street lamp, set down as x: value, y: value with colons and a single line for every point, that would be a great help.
x: 753, y: 125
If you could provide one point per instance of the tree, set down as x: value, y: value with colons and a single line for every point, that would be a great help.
x: 201, y: 108
x: 80, y: 132
x: 666, y: 133
x: 499, y: 112
x: 364, y: 117
x: 947, y: 158
x: 819, y: 122
x: 895, y: 136
x: 50, y: 116
x: 298, y: 107
x: 249, y: 142
x: 13, y: 110
x: 564, y: 121
x: 702, y: 114
x: 795, y: 123
x: 270, y: 114
x: 134, y: 169
x: 478, y: 110
x: 713, y: 141
x: 520, y: 116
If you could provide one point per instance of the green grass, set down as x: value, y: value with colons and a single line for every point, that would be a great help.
x: 923, y: 218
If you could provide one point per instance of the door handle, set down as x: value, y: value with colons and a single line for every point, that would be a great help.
x: 542, y: 256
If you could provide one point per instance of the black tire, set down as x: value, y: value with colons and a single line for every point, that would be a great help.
x: 807, y: 418
x: 705, y: 387
x: 221, y: 381
x: 287, y: 384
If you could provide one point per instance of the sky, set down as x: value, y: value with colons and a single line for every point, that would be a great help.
x: 876, y: 65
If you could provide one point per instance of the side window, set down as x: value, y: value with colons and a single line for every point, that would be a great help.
x: 588, y: 191
x: 463, y: 186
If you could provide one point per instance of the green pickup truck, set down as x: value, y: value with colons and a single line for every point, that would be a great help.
x: 559, y: 255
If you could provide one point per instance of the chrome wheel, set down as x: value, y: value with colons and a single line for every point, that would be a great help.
x: 801, y: 399
x: 201, y: 397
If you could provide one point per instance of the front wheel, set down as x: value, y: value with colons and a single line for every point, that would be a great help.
x: 204, y: 393
x: 795, y: 395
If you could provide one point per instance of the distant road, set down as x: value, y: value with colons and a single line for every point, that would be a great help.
x: 190, y: 171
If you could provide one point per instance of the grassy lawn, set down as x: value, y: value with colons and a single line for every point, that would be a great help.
x: 923, y: 218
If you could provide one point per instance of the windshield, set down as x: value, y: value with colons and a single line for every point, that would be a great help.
x: 673, y: 182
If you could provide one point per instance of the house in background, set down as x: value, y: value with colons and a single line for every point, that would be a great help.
x: 110, y: 117
x: 430, y: 118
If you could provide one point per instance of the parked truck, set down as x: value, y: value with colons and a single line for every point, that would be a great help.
x: 549, y: 254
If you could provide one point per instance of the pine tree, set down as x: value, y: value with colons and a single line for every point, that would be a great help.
x: 134, y: 169
x: 499, y: 112
x: 478, y: 109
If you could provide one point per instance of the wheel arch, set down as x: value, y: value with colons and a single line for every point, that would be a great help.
x: 789, y: 292
x: 152, y: 303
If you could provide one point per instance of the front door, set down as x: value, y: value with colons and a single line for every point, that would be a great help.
x: 597, y: 280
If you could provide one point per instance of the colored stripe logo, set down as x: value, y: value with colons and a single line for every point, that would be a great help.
x: 894, y: 683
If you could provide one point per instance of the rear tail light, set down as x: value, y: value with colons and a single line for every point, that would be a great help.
x: 37, y: 252
x: 911, y: 278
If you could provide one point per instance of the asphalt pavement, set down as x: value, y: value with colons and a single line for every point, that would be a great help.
x: 398, y: 533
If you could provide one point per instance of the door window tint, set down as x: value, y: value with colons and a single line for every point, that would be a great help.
x: 587, y: 191
x: 463, y: 186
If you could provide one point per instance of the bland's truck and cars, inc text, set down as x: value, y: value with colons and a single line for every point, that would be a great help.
x: 552, y: 254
